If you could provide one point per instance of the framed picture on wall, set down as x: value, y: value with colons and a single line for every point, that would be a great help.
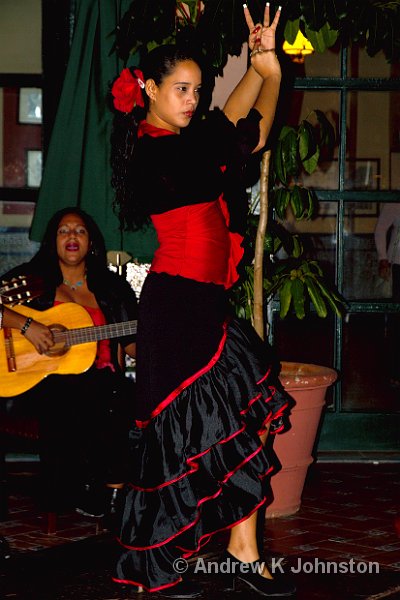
x: 361, y: 209
x: 30, y: 106
x: 15, y: 221
x: 352, y: 209
x: 360, y: 174
x: 33, y: 168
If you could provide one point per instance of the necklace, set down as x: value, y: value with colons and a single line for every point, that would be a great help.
x: 74, y: 286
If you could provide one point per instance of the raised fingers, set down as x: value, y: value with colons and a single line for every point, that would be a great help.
x: 274, y: 23
x: 266, y: 15
x: 247, y: 16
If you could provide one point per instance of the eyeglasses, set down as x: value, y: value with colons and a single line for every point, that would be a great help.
x: 78, y: 231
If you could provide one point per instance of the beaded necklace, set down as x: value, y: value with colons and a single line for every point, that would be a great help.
x: 74, y: 286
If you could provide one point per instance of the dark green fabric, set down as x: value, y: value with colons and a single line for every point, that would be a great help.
x: 77, y: 169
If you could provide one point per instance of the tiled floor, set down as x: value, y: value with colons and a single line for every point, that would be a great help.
x: 344, y: 542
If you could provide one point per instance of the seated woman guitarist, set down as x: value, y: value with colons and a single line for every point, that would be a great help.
x: 77, y: 386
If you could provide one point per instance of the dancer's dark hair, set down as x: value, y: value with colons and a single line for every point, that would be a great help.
x: 156, y: 65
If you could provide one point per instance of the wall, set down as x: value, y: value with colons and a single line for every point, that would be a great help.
x: 20, y: 36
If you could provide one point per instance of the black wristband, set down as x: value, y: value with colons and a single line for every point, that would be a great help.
x: 26, y: 325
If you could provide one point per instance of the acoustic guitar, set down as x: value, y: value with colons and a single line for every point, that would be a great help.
x: 20, y: 289
x: 74, y: 351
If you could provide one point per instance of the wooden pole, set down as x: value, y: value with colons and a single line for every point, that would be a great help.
x: 259, y: 320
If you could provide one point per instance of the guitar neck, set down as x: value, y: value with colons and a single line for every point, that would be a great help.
x: 96, y: 333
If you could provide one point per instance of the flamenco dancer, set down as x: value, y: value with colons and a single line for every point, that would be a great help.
x: 208, y: 392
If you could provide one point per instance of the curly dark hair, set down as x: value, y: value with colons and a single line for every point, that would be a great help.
x: 46, y: 262
x: 156, y: 65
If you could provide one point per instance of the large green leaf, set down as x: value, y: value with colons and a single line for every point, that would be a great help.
x: 289, y: 152
x: 296, y: 202
x: 279, y: 164
x: 327, y: 135
x: 297, y: 246
x: 285, y: 298
x: 291, y: 30
x: 336, y: 305
x: 281, y: 201
x: 306, y: 140
x: 316, y: 297
x: 311, y: 163
x: 298, y: 297
x: 322, y: 39
x: 311, y: 201
x: 286, y: 130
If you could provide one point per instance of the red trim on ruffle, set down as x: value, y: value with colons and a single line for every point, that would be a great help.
x: 251, y: 402
x: 157, y: 589
x: 172, y: 537
x: 193, y: 459
x: 166, y: 483
x: 265, y: 376
x: 272, y: 417
x: 204, y: 539
x: 233, y: 435
x: 187, y: 382
x: 195, y: 466
x: 192, y: 378
x: 277, y: 430
x: 246, y: 460
x: 189, y: 553
x: 264, y: 475
x: 199, y: 503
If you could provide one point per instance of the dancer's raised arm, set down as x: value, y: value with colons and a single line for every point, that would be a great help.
x: 259, y: 87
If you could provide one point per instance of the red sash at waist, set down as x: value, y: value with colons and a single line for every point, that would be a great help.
x: 195, y: 242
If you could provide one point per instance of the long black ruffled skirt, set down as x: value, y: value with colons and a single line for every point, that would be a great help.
x: 205, y: 394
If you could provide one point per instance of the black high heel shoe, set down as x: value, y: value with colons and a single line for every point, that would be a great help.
x: 249, y: 573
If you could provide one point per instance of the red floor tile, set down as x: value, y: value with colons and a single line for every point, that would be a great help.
x: 347, y: 511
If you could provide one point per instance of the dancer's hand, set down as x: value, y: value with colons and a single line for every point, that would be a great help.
x: 262, y: 36
x: 262, y: 42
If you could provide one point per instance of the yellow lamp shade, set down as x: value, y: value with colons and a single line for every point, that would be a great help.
x: 300, y: 48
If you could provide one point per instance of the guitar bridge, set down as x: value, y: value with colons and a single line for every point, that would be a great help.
x: 10, y: 352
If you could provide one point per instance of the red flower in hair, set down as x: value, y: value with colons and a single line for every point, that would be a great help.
x: 127, y: 90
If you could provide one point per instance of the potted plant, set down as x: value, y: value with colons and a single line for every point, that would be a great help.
x: 300, y: 285
x: 280, y: 266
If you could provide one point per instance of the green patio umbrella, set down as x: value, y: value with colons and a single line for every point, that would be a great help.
x: 77, y: 169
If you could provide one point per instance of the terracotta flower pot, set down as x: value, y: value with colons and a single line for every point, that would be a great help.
x: 307, y: 384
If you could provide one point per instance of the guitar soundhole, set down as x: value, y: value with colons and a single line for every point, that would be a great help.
x: 60, y: 347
